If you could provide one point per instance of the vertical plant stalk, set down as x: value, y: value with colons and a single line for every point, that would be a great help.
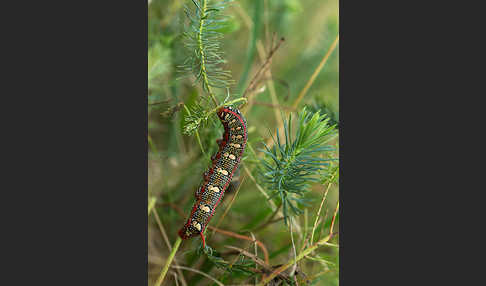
x: 333, y: 219
x: 316, y: 72
x: 319, y: 211
x: 175, y: 247
x: 201, y: 51
x: 293, y: 247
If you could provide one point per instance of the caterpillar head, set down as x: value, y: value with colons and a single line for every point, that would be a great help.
x: 222, y: 112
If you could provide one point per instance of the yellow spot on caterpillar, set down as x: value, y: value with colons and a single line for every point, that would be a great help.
x: 239, y: 137
x: 226, y: 154
x: 232, y: 128
x: 214, y: 189
x: 238, y: 128
x: 224, y: 172
x: 233, y: 121
x: 226, y: 116
x: 196, y: 225
x: 204, y: 208
x: 235, y: 145
x: 232, y: 157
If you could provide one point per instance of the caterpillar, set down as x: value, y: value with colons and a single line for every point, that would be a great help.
x: 217, y: 179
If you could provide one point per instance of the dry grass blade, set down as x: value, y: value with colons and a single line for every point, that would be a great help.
x: 333, y: 219
x: 319, y: 211
x: 199, y: 272
x: 293, y: 248
x: 316, y: 72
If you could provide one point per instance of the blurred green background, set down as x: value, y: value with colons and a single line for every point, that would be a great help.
x: 176, y: 163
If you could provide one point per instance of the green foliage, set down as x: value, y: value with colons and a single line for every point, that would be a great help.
x: 319, y: 104
x: 289, y: 167
x: 241, y: 266
x: 195, y: 117
x: 202, y: 40
x: 158, y: 63
x: 177, y: 108
x: 198, y: 115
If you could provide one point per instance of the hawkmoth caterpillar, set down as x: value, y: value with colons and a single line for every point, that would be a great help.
x: 217, y: 179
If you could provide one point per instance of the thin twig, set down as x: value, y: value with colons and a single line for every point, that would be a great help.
x: 256, y: 78
x: 236, y: 235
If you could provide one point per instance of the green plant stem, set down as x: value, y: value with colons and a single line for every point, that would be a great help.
x: 152, y: 145
x: 151, y: 203
x: 175, y: 247
x: 201, y: 51
x: 225, y: 104
x: 320, y: 208
x: 200, y: 144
